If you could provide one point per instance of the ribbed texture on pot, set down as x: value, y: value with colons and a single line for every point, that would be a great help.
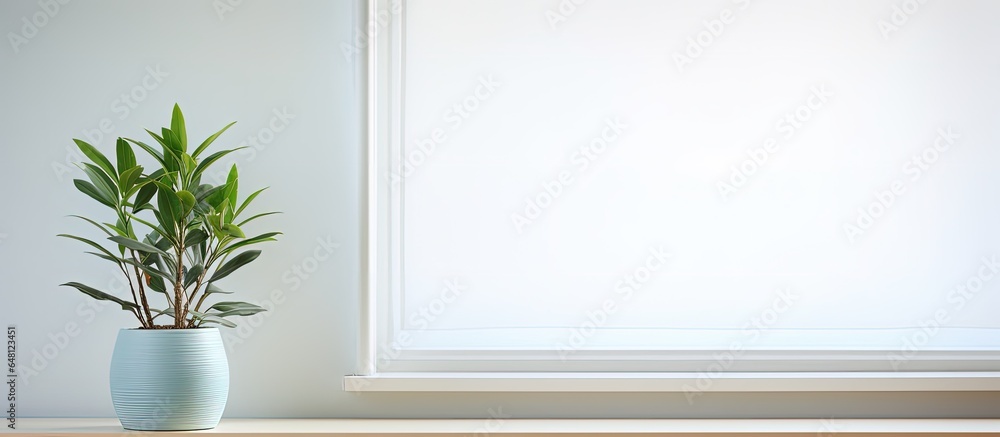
x: 169, y: 379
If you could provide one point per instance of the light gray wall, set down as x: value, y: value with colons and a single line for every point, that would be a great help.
x: 245, y: 64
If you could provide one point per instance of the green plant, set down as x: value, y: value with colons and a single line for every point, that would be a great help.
x: 193, y: 229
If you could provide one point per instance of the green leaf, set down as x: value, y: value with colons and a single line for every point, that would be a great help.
x: 157, y: 273
x: 126, y: 157
x: 119, y: 230
x: 255, y: 240
x: 178, y: 128
x: 167, y: 264
x: 91, y: 243
x: 228, y: 309
x: 192, y: 275
x: 244, y: 222
x: 107, y: 257
x: 167, y: 312
x: 216, y: 196
x: 145, y: 195
x: 239, y: 312
x: 171, y: 160
x: 229, y: 306
x: 152, y: 226
x: 201, y: 191
x: 157, y: 284
x: 208, y: 141
x: 173, y: 143
x: 101, y: 181
x: 198, y: 252
x: 137, y: 245
x: 232, y: 184
x: 163, y: 244
x: 97, y: 157
x: 246, y: 202
x: 152, y: 152
x: 232, y: 265
x: 92, y: 191
x: 209, y: 160
x: 128, y: 179
x: 142, y: 182
x: 170, y: 209
x: 100, y: 295
x: 98, y: 225
x: 194, y: 237
x: 213, y: 289
x: 233, y: 231
x: 189, y: 165
x: 205, y: 318
x: 187, y: 201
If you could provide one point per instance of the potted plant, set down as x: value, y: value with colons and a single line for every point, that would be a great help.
x: 173, y: 237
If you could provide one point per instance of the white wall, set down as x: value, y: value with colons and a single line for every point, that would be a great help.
x: 261, y: 57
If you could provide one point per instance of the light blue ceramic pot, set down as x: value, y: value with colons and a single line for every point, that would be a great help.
x: 169, y: 379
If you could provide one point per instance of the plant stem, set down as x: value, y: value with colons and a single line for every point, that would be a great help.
x: 142, y: 292
x: 197, y: 307
x: 210, y: 259
x: 132, y: 288
x: 180, y: 305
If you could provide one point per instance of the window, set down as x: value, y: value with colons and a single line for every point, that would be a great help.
x: 653, y: 186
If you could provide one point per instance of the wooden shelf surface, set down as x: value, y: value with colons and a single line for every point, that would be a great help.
x: 535, y: 427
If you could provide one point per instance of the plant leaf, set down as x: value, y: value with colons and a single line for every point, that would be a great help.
x: 192, y: 274
x: 152, y: 226
x: 232, y: 185
x: 98, y: 225
x: 128, y: 179
x: 118, y: 230
x: 145, y: 195
x: 213, y: 289
x: 208, y: 141
x: 246, y: 202
x: 209, y: 160
x: 152, y: 152
x: 100, y: 295
x: 187, y: 202
x: 126, y: 157
x: 255, y: 240
x: 173, y: 145
x: 101, y: 181
x: 178, y: 128
x: 238, y: 261
x: 97, y: 157
x: 156, y: 284
x: 239, y: 312
x: 194, y: 237
x: 205, y: 318
x: 265, y: 214
x: 92, y: 191
x: 233, y: 231
x: 232, y: 305
x: 171, y: 161
x: 216, y: 196
x: 227, y: 309
x: 107, y: 257
x: 150, y: 270
x: 137, y: 245
x: 91, y: 243
x: 169, y: 208
x: 167, y: 312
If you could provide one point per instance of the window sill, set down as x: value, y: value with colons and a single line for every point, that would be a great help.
x: 676, y: 382
x: 562, y: 428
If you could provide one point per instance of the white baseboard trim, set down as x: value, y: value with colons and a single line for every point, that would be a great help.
x: 676, y: 382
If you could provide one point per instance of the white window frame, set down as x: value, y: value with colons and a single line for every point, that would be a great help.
x: 584, y: 371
